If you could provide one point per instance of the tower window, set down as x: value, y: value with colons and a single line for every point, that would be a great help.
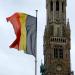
x: 55, y: 53
x: 61, y: 53
x: 51, y: 29
x: 57, y: 5
x: 51, y: 6
x: 62, y: 6
x: 63, y: 31
x: 58, y: 53
x: 58, y: 31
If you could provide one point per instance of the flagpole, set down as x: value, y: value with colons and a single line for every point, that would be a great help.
x: 36, y: 47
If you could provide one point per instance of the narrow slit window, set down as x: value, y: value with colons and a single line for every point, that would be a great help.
x: 61, y: 53
x: 51, y: 6
x: 58, y: 31
x: 57, y: 5
x: 62, y: 6
x: 51, y: 29
x: 55, y: 53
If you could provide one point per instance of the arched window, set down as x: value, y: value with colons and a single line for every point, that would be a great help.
x: 57, y: 5
x: 51, y: 6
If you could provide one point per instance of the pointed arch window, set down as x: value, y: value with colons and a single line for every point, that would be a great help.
x: 57, y: 5
x: 51, y: 6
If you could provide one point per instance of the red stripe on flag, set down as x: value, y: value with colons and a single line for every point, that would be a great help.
x: 14, y: 19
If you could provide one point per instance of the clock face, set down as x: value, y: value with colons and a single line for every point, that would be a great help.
x: 59, y: 68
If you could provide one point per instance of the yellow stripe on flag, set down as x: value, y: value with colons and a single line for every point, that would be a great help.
x: 23, y: 38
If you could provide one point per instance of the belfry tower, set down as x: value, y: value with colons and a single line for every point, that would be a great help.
x: 57, y: 39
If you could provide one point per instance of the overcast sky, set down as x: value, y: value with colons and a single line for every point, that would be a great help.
x: 13, y: 62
